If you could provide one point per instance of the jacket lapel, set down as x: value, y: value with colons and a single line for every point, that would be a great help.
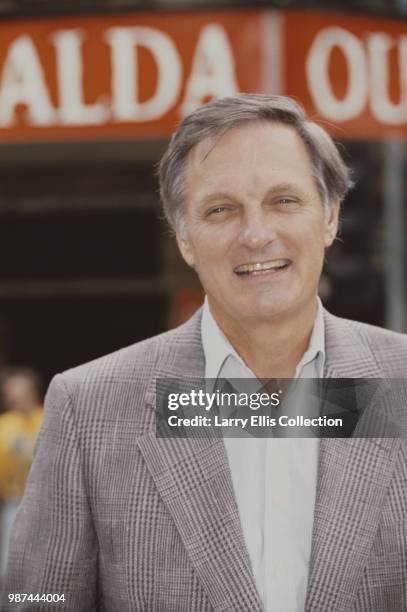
x: 194, y: 480
x: 353, y: 477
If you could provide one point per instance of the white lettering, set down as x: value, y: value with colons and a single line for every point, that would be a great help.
x: 317, y: 69
x: 23, y: 82
x: 383, y: 108
x: 125, y: 102
x: 213, y: 69
x: 73, y: 110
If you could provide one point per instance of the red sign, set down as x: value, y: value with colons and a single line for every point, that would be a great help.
x: 137, y: 75
x: 121, y: 76
x: 350, y: 71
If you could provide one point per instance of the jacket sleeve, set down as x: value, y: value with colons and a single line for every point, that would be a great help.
x: 53, y: 546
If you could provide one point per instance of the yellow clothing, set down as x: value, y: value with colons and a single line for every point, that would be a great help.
x: 18, y: 432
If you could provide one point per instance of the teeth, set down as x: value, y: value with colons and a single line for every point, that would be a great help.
x: 259, y: 267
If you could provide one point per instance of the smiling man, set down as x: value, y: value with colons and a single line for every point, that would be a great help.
x: 116, y: 518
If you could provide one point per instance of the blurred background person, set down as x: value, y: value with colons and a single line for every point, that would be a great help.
x: 21, y: 402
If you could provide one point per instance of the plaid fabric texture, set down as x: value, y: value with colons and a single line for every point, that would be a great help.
x: 119, y: 520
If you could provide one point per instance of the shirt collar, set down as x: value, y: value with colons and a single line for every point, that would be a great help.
x: 217, y: 348
x: 316, y: 346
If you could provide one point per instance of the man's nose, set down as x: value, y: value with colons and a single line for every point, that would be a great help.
x: 257, y: 230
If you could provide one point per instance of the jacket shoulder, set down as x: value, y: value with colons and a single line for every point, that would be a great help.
x: 122, y: 365
x: 379, y: 337
x: 388, y: 348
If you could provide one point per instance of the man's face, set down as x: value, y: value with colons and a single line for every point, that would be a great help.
x: 256, y: 230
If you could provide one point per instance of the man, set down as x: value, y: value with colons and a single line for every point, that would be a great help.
x: 116, y: 518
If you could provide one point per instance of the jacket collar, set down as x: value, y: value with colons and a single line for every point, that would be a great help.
x: 194, y: 480
x: 183, y: 355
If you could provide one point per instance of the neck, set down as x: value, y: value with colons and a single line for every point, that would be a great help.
x: 272, y: 348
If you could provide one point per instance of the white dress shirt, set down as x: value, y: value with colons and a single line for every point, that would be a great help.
x: 274, y: 479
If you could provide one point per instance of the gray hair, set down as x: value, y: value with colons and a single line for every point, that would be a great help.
x: 332, y: 176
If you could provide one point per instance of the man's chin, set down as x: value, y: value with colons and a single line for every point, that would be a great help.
x: 264, y: 311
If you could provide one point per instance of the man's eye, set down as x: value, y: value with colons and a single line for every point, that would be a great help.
x: 286, y: 202
x: 217, y: 210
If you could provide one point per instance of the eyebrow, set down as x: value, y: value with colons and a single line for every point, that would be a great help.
x: 281, y: 187
x: 275, y: 189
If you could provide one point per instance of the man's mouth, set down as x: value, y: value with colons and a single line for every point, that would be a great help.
x: 263, y: 267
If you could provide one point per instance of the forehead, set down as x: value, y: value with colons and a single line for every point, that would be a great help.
x: 254, y: 155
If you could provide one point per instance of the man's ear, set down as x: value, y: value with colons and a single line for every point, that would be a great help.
x: 185, y: 249
x: 331, y: 224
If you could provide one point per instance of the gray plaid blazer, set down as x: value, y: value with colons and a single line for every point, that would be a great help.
x: 117, y: 519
